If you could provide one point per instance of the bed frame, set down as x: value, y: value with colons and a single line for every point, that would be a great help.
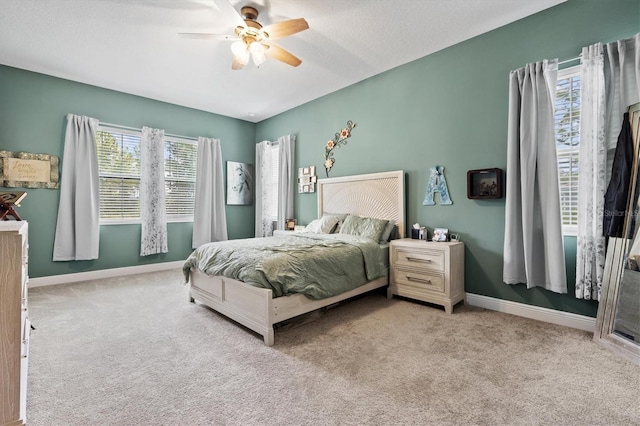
x: 378, y: 195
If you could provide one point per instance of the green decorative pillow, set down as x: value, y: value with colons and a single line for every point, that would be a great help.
x: 388, y: 230
x: 367, y: 227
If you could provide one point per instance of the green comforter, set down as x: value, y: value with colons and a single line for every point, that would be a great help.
x: 317, y: 265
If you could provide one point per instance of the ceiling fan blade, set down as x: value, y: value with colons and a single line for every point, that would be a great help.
x: 285, y: 28
x: 235, y: 65
x: 209, y: 36
x: 227, y: 8
x: 276, y: 52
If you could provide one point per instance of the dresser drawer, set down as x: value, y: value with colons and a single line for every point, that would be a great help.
x: 415, y: 258
x: 419, y: 280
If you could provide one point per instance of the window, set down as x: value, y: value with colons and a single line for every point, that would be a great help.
x: 267, y: 171
x: 271, y: 206
x: 567, y: 129
x: 119, y: 173
x: 179, y: 177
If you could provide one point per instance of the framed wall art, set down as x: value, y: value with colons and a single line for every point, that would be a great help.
x: 484, y: 184
x: 307, y: 179
x: 239, y: 183
x: 28, y: 170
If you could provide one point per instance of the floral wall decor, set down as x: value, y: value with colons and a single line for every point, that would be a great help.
x: 338, y: 140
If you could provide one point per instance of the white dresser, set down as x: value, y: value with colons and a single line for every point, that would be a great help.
x: 429, y: 271
x: 14, y: 322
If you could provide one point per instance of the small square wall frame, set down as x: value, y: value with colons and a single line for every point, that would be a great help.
x: 484, y: 184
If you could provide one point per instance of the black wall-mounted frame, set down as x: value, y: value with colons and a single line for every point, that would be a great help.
x: 484, y: 184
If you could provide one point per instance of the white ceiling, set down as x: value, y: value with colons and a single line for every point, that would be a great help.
x: 133, y: 46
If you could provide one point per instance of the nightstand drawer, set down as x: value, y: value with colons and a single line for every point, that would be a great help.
x: 423, y: 259
x: 420, y: 280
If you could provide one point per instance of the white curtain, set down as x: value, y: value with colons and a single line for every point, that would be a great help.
x: 274, y: 191
x: 622, y: 84
x: 209, y: 216
x: 533, y: 244
x: 286, y: 178
x: 78, y: 224
x: 592, y: 181
x: 610, y: 83
x: 265, y: 181
x: 152, y: 193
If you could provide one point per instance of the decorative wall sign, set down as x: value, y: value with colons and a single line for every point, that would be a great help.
x: 338, y: 140
x: 437, y: 183
x: 307, y: 179
x: 27, y: 170
x: 239, y: 183
x: 484, y: 184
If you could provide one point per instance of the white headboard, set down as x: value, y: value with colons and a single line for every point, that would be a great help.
x: 377, y: 195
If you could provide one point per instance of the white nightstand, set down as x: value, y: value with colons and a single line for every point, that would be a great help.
x: 429, y: 271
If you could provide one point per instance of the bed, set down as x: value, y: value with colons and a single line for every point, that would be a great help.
x: 375, y: 195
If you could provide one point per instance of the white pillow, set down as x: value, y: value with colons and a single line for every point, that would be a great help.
x: 324, y: 225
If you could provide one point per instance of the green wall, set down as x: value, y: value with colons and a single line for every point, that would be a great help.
x: 450, y: 108
x: 33, y: 110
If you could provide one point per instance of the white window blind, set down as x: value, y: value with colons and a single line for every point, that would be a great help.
x: 119, y: 173
x: 180, y: 177
x: 567, y: 129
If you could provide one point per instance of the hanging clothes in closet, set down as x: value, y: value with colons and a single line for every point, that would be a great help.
x: 616, y: 207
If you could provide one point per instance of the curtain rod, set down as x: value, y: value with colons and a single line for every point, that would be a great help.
x: 565, y: 61
x: 136, y: 129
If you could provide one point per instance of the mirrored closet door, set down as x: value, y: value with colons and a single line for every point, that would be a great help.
x: 618, y: 322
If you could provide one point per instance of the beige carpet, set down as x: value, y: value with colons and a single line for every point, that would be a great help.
x: 133, y: 351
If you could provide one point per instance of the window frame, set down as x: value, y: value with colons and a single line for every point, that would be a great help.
x: 137, y: 133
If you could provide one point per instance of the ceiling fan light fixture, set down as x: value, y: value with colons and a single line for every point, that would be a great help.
x: 259, y: 59
x: 257, y: 53
x: 239, y: 48
x: 243, y: 58
x: 253, y: 39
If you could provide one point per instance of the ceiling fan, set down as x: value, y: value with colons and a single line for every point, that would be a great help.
x: 253, y: 41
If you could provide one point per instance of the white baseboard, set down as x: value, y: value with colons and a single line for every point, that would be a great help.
x: 567, y: 319
x: 104, y: 273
